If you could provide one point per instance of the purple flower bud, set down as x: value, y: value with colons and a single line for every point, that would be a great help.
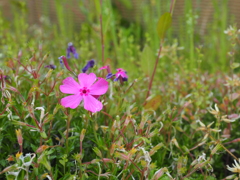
x: 63, y: 60
x: 116, y: 79
x: 89, y: 64
x: 51, y: 66
x: 71, y: 49
x: 109, y: 75
x: 124, y: 79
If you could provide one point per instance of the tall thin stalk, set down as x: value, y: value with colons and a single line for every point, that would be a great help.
x: 102, y: 38
x: 154, y: 70
x: 158, y: 57
x: 67, y: 132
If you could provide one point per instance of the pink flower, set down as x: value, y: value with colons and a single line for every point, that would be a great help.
x: 121, y: 73
x: 4, y: 77
x: 105, y: 67
x: 85, y: 90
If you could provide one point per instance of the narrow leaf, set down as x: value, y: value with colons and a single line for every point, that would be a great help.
x: 163, y: 24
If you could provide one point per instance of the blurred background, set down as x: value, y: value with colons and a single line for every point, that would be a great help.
x: 196, y: 23
x: 131, y: 11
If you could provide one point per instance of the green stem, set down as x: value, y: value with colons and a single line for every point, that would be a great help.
x: 67, y: 132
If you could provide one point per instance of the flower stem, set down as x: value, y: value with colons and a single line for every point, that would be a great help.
x: 154, y: 71
x: 67, y: 132
x: 158, y: 57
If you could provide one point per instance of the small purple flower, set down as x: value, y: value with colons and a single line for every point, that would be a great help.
x: 89, y: 64
x: 121, y: 74
x: 71, y: 49
x: 51, y: 66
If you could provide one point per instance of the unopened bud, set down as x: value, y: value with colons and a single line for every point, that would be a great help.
x: 107, y: 160
x: 97, y: 151
x: 19, y: 136
x: 64, y: 59
x: 42, y: 148
x: 175, y: 142
x: 82, y: 135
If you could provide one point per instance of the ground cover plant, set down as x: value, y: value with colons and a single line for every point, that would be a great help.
x: 116, y: 102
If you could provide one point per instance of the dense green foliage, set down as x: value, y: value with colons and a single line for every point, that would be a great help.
x: 187, y: 128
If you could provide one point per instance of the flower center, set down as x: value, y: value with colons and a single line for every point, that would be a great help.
x: 84, y: 91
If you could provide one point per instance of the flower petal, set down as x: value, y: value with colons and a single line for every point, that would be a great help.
x: 104, y: 67
x: 89, y: 64
x: 86, y: 80
x: 92, y: 104
x: 70, y: 86
x: 71, y: 101
x: 120, y: 69
x: 75, y: 55
x: 109, y: 75
x: 124, y: 75
x: 99, y: 88
x: 68, y: 55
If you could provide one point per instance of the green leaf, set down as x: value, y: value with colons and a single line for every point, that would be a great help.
x: 43, y: 134
x: 165, y: 177
x: 63, y: 160
x: 163, y: 24
x: 52, y: 94
x: 98, y: 152
x: 10, y: 177
x: 44, y: 161
x: 235, y: 65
